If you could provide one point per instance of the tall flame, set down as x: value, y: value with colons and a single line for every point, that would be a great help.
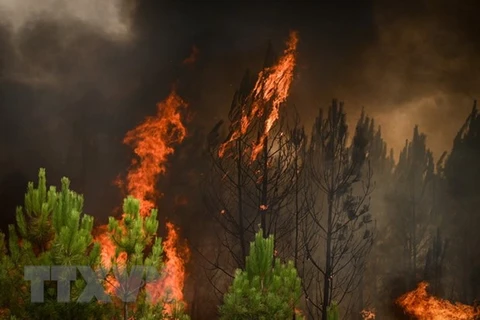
x: 422, y: 306
x: 273, y: 85
x: 152, y: 142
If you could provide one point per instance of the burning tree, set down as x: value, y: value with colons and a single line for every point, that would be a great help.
x: 124, y: 243
x: 152, y: 143
x: 252, y: 168
x: 338, y: 233
x: 231, y: 206
x: 132, y: 238
x: 266, y: 289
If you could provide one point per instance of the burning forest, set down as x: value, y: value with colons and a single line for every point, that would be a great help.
x: 277, y: 161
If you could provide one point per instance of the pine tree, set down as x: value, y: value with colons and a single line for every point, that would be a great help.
x: 242, y: 191
x: 382, y: 164
x: 73, y: 241
x: 135, y: 240
x: 462, y: 175
x: 34, y: 224
x: 339, y: 232
x: 51, y: 230
x: 412, y: 203
x: 266, y: 289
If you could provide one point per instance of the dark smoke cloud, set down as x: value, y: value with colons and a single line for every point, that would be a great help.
x: 65, y: 78
x: 75, y: 79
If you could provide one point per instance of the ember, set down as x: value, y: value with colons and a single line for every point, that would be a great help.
x: 368, y: 315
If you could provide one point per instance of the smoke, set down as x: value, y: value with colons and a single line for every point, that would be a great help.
x: 56, y: 44
x: 420, y: 70
x: 63, y: 74
x: 110, y: 16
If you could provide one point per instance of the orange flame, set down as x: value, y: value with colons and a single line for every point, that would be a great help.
x: 152, y: 142
x: 170, y: 287
x: 273, y: 85
x: 421, y: 305
x: 107, y: 256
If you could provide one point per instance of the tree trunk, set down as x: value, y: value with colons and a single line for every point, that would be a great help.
x: 264, y: 207
x: 328, y: 257
x: 296, y: 211
x: 241, y: 233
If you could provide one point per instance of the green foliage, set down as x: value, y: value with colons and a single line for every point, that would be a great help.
x: 51, y: 230
x: 134, y: 233
x: 73, y: 231
x: 34, y: 224
x: 332, y: 312
x: 266, y: 289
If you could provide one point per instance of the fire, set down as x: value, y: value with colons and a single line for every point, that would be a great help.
x: 107, y: 257
x: 273, y: 85
x: 421, y: 305
x: 192, y: 57
x: 368, y: 315
x: 152, y: 143
x: 171, y: 286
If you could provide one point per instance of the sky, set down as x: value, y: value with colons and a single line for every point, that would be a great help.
x: 85, y: 72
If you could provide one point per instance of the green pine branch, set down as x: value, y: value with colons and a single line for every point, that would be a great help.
x: 266, y: 289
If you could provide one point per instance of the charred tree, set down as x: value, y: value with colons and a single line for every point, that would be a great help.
x: 370, y: 291
x: 462, y: 174
x: 297, y: 145
x: 411, y: 201
x: 228, y: 182
x: 338, y: 235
